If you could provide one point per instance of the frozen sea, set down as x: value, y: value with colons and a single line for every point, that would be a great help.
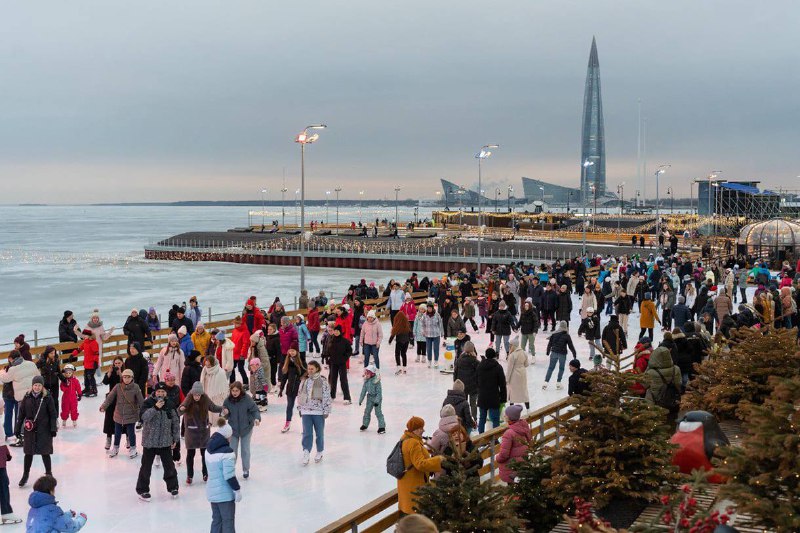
x: 54, y: 258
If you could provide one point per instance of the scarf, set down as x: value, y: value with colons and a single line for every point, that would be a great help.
x: 316, y: 386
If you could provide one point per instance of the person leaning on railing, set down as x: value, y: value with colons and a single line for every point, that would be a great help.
x: 418, y: 463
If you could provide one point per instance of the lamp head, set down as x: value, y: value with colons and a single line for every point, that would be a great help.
x: 587, y: 163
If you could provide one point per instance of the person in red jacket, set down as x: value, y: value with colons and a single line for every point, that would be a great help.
x: 641, y: 358
x: 514, y: 444
x: 343, y: 319
x: 241, y: 348
x: 253, y: 318
x: 91, y: 360
x: 71, y: 389
x: 312, y: 322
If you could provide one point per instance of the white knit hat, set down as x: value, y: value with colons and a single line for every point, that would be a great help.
x: 226, y: 431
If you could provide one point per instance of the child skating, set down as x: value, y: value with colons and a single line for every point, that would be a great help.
x: 70, y: 396
x: 373, y: 393
x: 259, y: 386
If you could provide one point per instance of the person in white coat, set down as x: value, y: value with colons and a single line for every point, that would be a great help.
x: 215, y: 384
x: 20, y: 374
x: 517, y: 375
x: 170, y: 358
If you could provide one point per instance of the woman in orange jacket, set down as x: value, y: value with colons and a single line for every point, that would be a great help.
x: 419, y: 465
x: 648, y: 316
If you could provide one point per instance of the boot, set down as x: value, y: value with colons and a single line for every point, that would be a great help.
x: 63, y: 423
x: 108, y: 443
x: 114, y: 452
x: 24, y: 480
x: 286, y: 427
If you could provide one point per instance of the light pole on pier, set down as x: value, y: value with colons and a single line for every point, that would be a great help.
x: 621, y: 194
x: 263, y: 206
x: 396, y: 203
x: 303, y: 138
x: 584, y: 191
x: 327, y: 214
x: 283, y: 207
x: 662, y: 169
x: 360, y: 204
x: 485, y: 153
x: 338, y: 190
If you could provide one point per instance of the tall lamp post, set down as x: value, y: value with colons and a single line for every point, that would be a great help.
x: 569, y: 197
x: 621, y: 194
x: 327, y: 213
x: 541, y: 215
x: 304, y: 138
x: 283, y: 207
x: 485, y: 153
x: 338, y: 190
x: 263, y: 206
x: 296, y: 204
x: 584, y: 190
x: 396, y: 204
x: 361, y: 204
x: 671, y: 200
x: 496, y: 198
x: 662, y: 169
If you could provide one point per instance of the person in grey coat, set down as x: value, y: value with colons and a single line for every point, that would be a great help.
x: 195, y: 409
x: 160, y: 433
x: 127, y: 400
x: 243, y: 415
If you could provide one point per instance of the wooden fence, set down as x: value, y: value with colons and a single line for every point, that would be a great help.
x: 381, y: 513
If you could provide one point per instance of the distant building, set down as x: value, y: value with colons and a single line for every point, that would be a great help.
x: 456, y: 196
x: 553, y: 194
x: 593, y: 142
x: 736, y: 199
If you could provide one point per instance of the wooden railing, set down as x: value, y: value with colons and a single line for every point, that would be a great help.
x: 381, y: 513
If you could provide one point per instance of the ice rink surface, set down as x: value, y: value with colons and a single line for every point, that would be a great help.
x: 281, y: 494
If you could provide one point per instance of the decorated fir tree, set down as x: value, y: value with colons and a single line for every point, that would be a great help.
x: 726, y: 378
x: 765, y: 471
x: 532, y: 501
x: 458, y: 502
x: 618, y: 449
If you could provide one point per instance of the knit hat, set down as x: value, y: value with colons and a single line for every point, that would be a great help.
x: 194, y: 353
x: 160, y: 386
x: 575, y: 363
x: 255, y: 362
x: 172, y: 337
x: 67, y: 313
x: 338, y: 328
x: 447, y: 410
x: 458, y: 385
x: 513, y: 412
x: 221, y: 336
x: 37, y: 379
x: 371, y: 314
x: 127, y: 372
x: 491, y: 353
x: 590, y: 310
x: 182, y: 330
x: 88, y: 332
x: 372, y: 368
x: 168, y: 375
x: 151, y: 310
x: 69, y: 366
x: 197, y: 388
x: 200, y: 325
x: 514, y: 340
x: 414, y: 423
x: 502, y: 305
x: 225, y: 430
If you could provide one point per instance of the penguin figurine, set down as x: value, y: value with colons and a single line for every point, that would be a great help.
x: 697, y: 437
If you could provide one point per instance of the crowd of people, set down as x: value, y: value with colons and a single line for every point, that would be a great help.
x: 223, y: 379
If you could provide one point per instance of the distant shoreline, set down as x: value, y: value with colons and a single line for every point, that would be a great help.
x: 227, y: 203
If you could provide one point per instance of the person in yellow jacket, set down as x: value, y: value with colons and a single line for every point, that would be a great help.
x: 201, y: 338
x: 648, y: 316
x: 418, y: 462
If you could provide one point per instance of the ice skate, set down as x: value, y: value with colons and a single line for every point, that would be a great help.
x: 306, y: 458
x: 145, y: 497
x: 114, y: 452
x: 286, y: 427
x: 133, y: 453
x: 318, y: 457
x: 108, y: 443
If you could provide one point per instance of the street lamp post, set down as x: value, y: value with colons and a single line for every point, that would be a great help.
x: 484, y: 153
x: 661, y: 170
x: 263, y: 207
x: 671, y: 200
x: 541, y: 215
x: 327, y: 214
x: 338, y: 190
x: 569, y: 197
x: 496, y: 199
x: 283, y: 207
x: 304, y: 138
x: 621, y: 194
x: 586, y: 164
x: 361, y: 204
x: 296, y: 205
x: 396, y: 204
x: 592, y: 188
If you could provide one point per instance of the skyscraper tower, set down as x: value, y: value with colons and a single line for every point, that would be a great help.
x: 593, y: 143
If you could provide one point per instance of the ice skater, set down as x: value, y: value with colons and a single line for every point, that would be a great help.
x: 372, y: 392
x: 71, y: 389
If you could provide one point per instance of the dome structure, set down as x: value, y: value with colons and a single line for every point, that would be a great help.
x: 774, y: 238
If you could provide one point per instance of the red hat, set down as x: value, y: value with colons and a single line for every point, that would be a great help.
x: 251, y: 302
x: 88, y: 332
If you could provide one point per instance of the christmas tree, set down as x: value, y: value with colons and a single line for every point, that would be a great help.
x: 765, y: 471
x: 728, y: 377
x: 533, y: 502
x: 458, y: 502
x: 617, y: 449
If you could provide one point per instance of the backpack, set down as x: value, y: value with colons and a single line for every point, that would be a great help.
x: 395, y: 464
x: 670, y: 395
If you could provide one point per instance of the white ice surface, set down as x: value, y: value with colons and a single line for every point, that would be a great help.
x: 281, y: 495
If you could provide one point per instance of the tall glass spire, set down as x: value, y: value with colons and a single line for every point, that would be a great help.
x: 593, y: 144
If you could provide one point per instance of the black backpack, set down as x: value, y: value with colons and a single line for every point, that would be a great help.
x: 395, y: 464
x: 670, y: 396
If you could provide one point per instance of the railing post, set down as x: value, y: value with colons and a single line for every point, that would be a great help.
x: 36, y: 337
x: 558, y: 424
x: 209, y: 314
x: 491, y: 458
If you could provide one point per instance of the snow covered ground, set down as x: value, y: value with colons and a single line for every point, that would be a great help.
x: 281, y: 495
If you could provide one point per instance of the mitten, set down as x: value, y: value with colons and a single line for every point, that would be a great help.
x: 237, y: 495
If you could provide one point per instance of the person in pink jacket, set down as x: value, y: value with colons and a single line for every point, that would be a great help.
x: 409, y: 308
x: 71, y: 395
x: 515, y: 442
x: 371, y: 337
x: 448, y: 422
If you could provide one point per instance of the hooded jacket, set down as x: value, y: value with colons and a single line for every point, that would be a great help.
x: 221, y: 464
x: 128, y: 400
x: 45, y: 516
x: 458, y: 399
x: 661, y: 361
x: 161, y: 428
x: 242, y: 413
x: 447, y: 423
x: 466, y: 369
x: 514, y: 446
x: 614, y: 336
x: 491, y: 384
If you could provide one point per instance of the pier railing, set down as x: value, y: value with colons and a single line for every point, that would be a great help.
x: 381, y: 513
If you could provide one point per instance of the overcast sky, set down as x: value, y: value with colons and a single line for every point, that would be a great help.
x: 159, y: 101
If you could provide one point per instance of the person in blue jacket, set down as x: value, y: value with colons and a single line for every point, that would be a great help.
x: 45, y: 515
x: 223, y: 490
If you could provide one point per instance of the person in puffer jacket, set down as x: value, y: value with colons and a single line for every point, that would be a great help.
x: 514, y: 444
x: 223, y: 490
x: 458, y: 399
x: 371, y: 337
x: 372, y: 391
x: 258, y: 350
x: 448, y: 421
x: 45, y: 515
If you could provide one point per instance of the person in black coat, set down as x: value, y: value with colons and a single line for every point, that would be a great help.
x: 181, y: 320
x: 681, y: 313
x: 536, y: 292
x: 273, y: 345
x: 575, y: 383
x: 503, y: 322
x: 549, y: 307
x: 136, y: 329
x: 192, y: 368
x: 339, y: 351
x: 681, y: 356
x: 590, y: 326
x: 50, y: 369
x: 491, y: 389
x: 458, y: 399
x: 614, y: 338
x: 465, y: 370
x: 37, y: 406
x: 66, y: 329
x: 138, y: 364
x: 564, y: 309
x: 557, y: 346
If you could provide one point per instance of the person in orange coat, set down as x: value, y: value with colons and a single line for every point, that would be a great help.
x: 418, y: 462
x: 648, y: 316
